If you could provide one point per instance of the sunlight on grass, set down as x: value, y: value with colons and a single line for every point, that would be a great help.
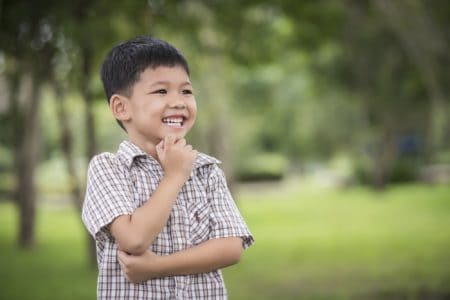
x: 327, y: 243
x: 310, y: 244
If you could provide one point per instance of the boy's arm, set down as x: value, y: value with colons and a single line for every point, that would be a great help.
x: 134, y: 233
x: 205, y: 257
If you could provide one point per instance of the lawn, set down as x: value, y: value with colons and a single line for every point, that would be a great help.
x: 310, y: 244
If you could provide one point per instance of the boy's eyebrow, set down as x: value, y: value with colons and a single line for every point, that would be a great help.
x: 163, y: 82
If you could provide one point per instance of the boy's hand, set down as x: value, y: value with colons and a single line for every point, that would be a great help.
x: 138, y: 268
x: 176, y: 157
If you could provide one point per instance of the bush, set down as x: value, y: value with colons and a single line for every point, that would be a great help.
x: 263, y: 166
x: 405, y: 170
x: 402, y: 170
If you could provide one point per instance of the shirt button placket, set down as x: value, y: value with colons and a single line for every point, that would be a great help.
x: 181, y: 284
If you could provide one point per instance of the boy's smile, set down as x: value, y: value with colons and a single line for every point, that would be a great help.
x: 176, y: 121
x: 161, y: 103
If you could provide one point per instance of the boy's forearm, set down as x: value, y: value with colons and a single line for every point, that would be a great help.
x: 135, y: 233
x: 206, y: 257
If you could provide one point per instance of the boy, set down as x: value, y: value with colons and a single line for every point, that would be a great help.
x: 161, y: 214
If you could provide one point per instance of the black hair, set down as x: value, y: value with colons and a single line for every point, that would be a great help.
x: 125, y: 62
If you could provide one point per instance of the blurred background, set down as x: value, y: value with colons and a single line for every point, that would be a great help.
x: 331, y: 119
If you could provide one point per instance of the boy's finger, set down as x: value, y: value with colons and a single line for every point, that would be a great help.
x: 122, y: 265
x: 160, y: 147
x: 181, y: 142
x: 120, y: 255
x: 160, y: 144
x: 169, y: 140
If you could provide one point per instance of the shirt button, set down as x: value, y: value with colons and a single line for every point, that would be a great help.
x: 197, y: 218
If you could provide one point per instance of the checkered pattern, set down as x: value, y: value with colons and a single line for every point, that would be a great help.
x: 204, y: 209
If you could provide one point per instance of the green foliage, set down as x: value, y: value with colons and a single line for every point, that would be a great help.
x: 406, y: 169
x: 52, y: 178
x: 263, y: 166
x: 290, y: 77
x: 443, y: 157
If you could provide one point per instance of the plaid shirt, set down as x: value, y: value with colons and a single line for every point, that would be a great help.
x: 204, y: 209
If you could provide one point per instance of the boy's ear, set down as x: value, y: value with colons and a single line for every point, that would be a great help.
x: 119, y: 107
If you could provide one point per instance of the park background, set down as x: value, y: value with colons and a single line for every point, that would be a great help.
x: 331, y: 119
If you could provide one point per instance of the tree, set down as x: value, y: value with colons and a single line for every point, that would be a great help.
x: 26, y: 41
x: 390, y: 65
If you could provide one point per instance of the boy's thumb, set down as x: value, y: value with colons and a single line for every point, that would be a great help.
x: 160, y: 148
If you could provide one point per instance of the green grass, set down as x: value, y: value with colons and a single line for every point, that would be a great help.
x: 349, y: 244
x: 310, y: 244
x: 57, y: 268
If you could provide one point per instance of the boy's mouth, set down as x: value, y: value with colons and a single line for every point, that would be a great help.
x: 177, y: 121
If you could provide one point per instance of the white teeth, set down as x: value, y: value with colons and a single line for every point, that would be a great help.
x: 173, y: 121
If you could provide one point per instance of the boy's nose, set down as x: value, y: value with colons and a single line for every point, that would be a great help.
x: 177, y: 103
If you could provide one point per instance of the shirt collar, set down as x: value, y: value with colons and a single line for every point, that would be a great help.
x: 204, y: 159
x: 128, y: 152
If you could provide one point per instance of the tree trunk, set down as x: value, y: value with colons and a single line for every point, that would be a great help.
x: 17, y: 125
x: 26, y: 163
x: 219, y: 144
x: 91, y: 145
x: 66, y: 138
x: 219, y: 131
x: 385, y: 155
x: 91, y: 142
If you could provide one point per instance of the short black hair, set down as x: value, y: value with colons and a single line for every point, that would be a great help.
x: 125, y: 62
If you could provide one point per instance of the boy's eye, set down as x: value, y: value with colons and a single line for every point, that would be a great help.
x: 160, y: 91
x: 187, y: 92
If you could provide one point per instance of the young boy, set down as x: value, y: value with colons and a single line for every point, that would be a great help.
x: 161, y: 213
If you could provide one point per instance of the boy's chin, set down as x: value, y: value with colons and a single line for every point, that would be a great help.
x: 176, y: 135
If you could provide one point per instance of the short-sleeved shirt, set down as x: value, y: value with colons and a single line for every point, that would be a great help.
x: 119, y: 183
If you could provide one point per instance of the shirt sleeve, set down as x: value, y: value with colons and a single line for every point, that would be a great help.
x: 108, y: 194
x: 226, y: 220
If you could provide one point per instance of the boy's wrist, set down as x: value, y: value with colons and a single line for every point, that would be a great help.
x: 165, y: 265
x: 157, y: 267
x: 175, y: 178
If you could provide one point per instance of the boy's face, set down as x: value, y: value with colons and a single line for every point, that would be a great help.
x: 161, y: 103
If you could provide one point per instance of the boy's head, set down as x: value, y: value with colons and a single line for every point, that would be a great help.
x: 144, y: 68
x: 125, y: 62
